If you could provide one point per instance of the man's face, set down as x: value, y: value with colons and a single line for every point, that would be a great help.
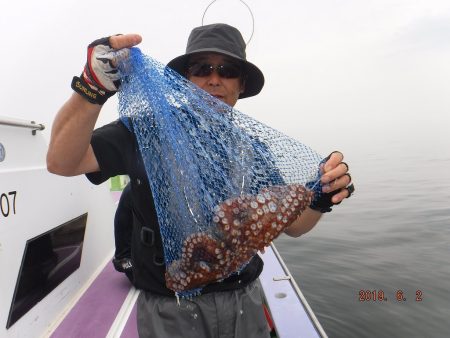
x: 217, y: 74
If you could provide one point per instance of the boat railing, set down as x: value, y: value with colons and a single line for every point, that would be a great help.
x: 300, y: 295
x: 5, y: 121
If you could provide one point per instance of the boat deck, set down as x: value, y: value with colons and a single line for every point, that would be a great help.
x: 102, y: 310
x: 108, y: 307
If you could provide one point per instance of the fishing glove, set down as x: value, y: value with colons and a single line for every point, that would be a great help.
x: 100, y: 78
x: 321, y: 201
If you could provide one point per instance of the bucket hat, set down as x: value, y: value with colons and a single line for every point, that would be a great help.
x: 224, y: 39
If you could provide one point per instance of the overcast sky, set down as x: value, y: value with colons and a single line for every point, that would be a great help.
x: 335, y: 70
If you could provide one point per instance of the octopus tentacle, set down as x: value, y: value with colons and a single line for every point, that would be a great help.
x: 244, y: 225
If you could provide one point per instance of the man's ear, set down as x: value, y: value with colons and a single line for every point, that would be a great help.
x: 243, y: 80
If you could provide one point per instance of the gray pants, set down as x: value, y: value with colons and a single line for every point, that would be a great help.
x: 229, y: 314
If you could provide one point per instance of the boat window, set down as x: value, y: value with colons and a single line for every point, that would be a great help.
x: 48, y: 260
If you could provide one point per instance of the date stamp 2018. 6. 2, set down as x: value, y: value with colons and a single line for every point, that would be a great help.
x: 398, y: 295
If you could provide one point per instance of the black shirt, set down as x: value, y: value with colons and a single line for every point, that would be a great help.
x: 117, y: 153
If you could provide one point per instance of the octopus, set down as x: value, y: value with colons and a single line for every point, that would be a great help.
x: 243, y: 226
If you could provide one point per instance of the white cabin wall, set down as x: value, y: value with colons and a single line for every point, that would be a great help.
x: 43, y: 201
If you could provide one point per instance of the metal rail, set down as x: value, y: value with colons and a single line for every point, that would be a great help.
x: 5, y: 121
x: 302, y: 298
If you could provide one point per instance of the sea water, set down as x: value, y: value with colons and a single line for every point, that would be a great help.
x: 379, y: 264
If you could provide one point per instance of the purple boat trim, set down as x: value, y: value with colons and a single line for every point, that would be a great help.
x: 96, y: 310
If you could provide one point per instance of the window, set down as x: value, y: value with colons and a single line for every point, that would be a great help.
x: 48, y: 259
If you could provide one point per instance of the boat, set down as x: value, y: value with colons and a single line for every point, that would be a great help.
x: 56, y: 245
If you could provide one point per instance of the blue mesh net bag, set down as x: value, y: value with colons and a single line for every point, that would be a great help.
x: 224, y: 184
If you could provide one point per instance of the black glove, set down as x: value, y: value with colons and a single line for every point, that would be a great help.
x: 100, y: 78
x: 322, y: 201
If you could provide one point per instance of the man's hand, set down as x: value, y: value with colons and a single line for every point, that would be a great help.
x: 100, y: 78
x: 336, y: 178
x: 124, y: 41
x: 335, y: 182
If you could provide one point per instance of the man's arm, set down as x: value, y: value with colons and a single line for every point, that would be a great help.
x: 335, y: 179
x: 307, y: 220
x: 70, y: 152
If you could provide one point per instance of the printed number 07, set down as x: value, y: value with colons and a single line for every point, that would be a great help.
x: 5, y: 205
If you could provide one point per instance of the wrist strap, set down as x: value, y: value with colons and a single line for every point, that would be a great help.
x: 93, y: 96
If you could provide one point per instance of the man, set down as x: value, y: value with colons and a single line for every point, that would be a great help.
x: 215, y: 60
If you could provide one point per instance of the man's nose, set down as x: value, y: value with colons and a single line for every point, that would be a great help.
x: 214, y: 79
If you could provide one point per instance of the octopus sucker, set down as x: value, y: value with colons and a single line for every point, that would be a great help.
x: 260, y: 198
x: 272, y: 206
x: 243, y: 225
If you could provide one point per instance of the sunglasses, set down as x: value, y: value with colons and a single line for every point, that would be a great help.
x: 226, y: 71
